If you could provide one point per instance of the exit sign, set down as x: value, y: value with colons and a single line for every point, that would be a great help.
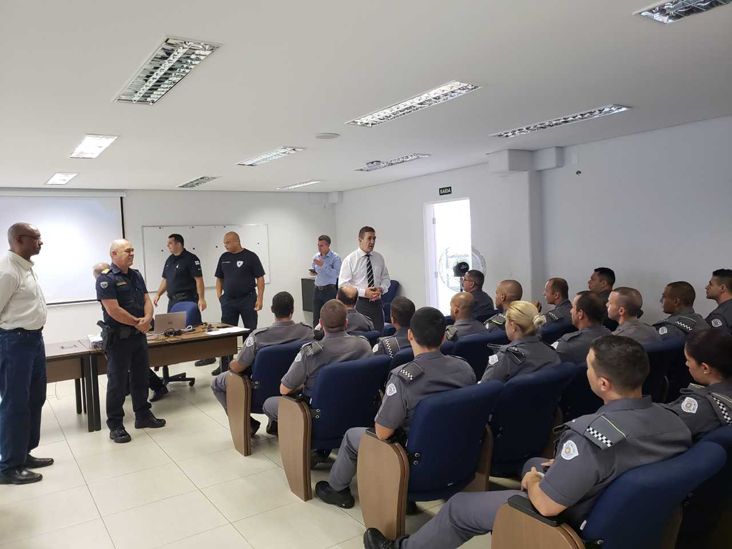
x: 445, y: 190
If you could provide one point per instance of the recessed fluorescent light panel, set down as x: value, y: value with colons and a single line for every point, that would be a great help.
x: 197, y: 182
x: 269, y: 156
x: 670, y: 12
x: 599, y: 112
x: 61, y: 178
x: 448, y: 91
x: 92, y: 146
x: 170, y: 63
x: 378, y: 164
x: 298, y: 185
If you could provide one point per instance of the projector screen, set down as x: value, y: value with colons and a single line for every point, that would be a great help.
x: 76, y: 233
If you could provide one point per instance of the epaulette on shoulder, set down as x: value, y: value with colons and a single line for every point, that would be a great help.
x: 516, y: 353
x: 451, y: 333
x: 571, y: 335
x: 106, y: 271
x: 259, y: 330
x: 685, y: 323
x: 599, y: 430
x: 551, y: 316
x: 390, y: 345
x: 497, y: 319
x: 311, y: 348
x: 722, y: 405
x: 410, y: 372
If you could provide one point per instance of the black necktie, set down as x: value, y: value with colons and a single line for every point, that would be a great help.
x: 369, y: 271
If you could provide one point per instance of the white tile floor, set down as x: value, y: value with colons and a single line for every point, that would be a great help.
x: 182, y: 486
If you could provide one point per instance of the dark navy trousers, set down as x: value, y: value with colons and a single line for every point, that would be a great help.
x: 127, y: 359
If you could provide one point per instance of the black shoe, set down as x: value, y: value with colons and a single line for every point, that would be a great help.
x: 253, y: 426
x: 19, y: 475
x: 149, y: 421
x: 36, y: 463
x: 271, y: 428
x: 326, y: 492
x: 119, y: 435
x: 373, y: 539
x: 318, y: 456
x: 160, y: 393
x: 204, y: 362
x: 412, y: 508
x: 217, y: 371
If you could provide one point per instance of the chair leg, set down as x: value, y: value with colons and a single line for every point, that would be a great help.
x: 238, y: 407
x: 383, y: 477
x: 514, y: 529
x: 480, y: 482
x: 294, y: 425
x: 167, y: 378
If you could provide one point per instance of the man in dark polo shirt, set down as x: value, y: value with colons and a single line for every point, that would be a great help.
x: 182, y: 276
x: 239, y: 287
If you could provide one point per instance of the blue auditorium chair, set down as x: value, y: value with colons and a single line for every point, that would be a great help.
x: 246, y: 394
x: 372, y: 335
x: 346, y: 394
x: 475, y: 350
x: 388, y: 330
x: 388, y: 297
x: 640, y: 509
x: 551, y: 332
x: 193, y: 318
x: 577, y: 398
x: 448, y: 450
x: 665, y: 357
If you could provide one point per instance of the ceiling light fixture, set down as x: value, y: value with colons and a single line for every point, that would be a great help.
x: 92, y: 146
x: 378, y: 164
x: 271, y: 155
x: 170, y: 63
x: 448, y: 91
x: 298, y: 185
x: 61, y: 178
x: 599, y: 112
x: 670, y: 12
x: 198, y: 182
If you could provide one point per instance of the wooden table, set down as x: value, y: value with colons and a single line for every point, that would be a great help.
x: 69, y: 360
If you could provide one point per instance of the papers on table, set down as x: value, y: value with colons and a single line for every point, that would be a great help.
x: 95, y: 341
x: 229, y: 330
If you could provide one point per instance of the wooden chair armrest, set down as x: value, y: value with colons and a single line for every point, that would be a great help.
x: 294, y: 427
x: 238, y: 408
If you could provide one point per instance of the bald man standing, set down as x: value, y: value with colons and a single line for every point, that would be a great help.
x: 128, y: 314
x: 22, y: 358
x: 239, y: 287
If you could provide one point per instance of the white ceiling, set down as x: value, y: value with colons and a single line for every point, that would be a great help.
x: 289, y: 69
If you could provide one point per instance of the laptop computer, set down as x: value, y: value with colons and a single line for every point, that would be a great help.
x: 169, y: 321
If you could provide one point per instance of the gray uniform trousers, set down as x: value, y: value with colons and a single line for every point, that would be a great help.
x: 344, y: 468
x: 218, y: 386
x: 271, y: 406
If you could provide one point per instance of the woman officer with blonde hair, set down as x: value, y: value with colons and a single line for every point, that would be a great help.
x: 525, y: 353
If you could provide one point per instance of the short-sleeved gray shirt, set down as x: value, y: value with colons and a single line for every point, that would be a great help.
x: 680, y: 324
x: 520, y: 357
x: 281, y: 331
x: 560, y: 312
x: 703, y: 409
x: 640, y: 331
x: 721, y: 317
x: 391, y: 345
x: 464, y: 327
x: 575, y: 346
x: 496, y: 322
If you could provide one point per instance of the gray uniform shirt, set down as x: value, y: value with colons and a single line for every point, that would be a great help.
x: 721, y: 317
x: 408, y: 384
x: 391, y: 345
x: 681, y: 324
x: 640, y: 331
x: 358, y: 322
x: 560, y: 311
x: 282, y: 331
x: 482, y: 303
x: 575, y: 346
x: 595, y: 449
x: 520, y: 357
x: 703, y: 409
x: 464, y: 327
x: 496, y: 322
x: 334, y: 347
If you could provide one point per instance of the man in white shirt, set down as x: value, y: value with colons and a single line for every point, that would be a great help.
x: 366, y: 270
x: 22, y: 358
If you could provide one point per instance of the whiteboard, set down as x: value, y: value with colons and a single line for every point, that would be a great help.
x: 206, y: 241
x: 76, y: 233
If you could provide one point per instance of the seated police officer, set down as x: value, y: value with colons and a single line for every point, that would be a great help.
x: 706, y: 404
x: 507, y: 292
x: 430, y: 372
x: 719, y: 289
x: 128, y: 314
x: 357, y: 322
x: 677, y: 301
x: 483, y: 304
x: 625, y: 305
x: 401, y: 312
x: 525, y: 353
x: 461, y: 309
x: 587, y: 312
x: 601, y: 282
x: 336, y: 346
x: 283, y: 330
x: 556, y: 292
x: 593, y: 450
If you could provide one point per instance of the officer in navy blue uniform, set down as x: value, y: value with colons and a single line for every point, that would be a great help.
x: 128, y: 314
x: 182, y: 276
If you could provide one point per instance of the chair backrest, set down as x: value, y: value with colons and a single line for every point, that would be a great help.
x: 371, y: 335
x: 663, y: 356
x: 554, y: 330
x: 443, y: 459
x: 634, y: 510
x: 524, y: 416
x: 388, y: 330
x: 270, y: 364
x: 190, y: 308
x: 474, y: 348
x: 346, y: 394
x: 407, y: 355
x: 486, y: 316
x: 577, y: 398
x: 391, y: 293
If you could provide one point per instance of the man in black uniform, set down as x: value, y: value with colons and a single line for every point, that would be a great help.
x: 473, y: 284
x: 401, y: 313
x: 720, y: 290
x: 182, y: 276
x: 239, y: 287
x: 128, y: 314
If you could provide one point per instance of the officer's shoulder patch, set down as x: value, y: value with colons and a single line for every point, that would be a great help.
x: 567, y: 337
x: 311, y: 348
x: 492, y: 359
x: 603, y: 433
x: 569, y: 450
x: 104, y: 284
x: 555, y: 345
x: 689, y: 405
x: 716, y: 323
x: 451, y: 333
x: 410, y: 372
x: 391, y: 389
x: 663, y: 331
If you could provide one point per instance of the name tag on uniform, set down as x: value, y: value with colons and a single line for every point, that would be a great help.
x: 123, y: 283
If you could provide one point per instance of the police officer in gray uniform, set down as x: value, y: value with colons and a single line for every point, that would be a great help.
x: 556, y: 292
x: 507, y: 292
x: 483, y: 304
x: 720, y: 290
x: 430, y: 372
x: 401, y: 313
x: 284, y: 330
x: 587, y: 314
x: 357, y: 322
x: 627, y: 432
x: 707, y: 404
x: 625, y: 306
x: 461, y: 309
x: 677, y: 301
x: 336, y: 346
x: 526, y: 353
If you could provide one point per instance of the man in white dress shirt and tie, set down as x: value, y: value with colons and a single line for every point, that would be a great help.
x: 366, y: 270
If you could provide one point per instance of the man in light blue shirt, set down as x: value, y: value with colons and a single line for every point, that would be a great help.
x: 326, y: 266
